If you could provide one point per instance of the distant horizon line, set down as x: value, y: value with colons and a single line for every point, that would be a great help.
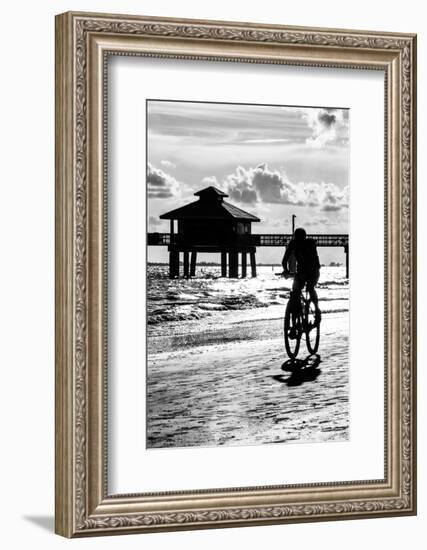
x: 210, y: 264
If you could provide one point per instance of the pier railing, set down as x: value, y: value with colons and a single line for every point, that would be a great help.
x: 266, y: 239
x: 230, y: 248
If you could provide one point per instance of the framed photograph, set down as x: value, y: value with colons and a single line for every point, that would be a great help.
x: 235, y: 274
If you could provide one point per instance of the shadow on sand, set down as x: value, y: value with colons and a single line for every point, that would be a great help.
x: 302, y: 370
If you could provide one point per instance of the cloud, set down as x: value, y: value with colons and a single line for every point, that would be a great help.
x: 327, y: 125
x: 334, y: 198
x: 271, y: 186
x: 266, y: 140
x: 210, y: 180
x: 168, y: 164
x: 253, y: 185
x: 319, y: 222
x: 238, y: 185
x: 154, y: 221
x: 261, y: 185
x: 160, y: 185
x: 327, y: 196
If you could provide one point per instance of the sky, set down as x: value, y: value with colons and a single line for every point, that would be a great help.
x: 273, y: 161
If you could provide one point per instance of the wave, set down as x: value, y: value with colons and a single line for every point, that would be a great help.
x: 187, y: 311
x: 338, y: 282
x: 178, y: 300
x: 279, y: 317
x: 174, y: 316
x: 205, y: 310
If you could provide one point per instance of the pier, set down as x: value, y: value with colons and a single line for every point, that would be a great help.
x: 244, y: 244
x: 213, y: 225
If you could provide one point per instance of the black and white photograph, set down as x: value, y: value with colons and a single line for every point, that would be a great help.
x: 212, y: 242
x: 247, y: 274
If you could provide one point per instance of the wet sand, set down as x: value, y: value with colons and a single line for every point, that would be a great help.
x: 234, y: 385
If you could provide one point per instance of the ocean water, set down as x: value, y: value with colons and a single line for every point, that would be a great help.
x: 176, y: 306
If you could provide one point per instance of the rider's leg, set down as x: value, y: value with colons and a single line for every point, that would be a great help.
x: 297, y: 287
x: 313, y: 295
x: 311, y: 283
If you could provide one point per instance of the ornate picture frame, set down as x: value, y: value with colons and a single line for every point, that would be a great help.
x: 83, y: 43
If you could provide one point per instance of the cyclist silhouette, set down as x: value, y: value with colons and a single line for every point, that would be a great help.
x: 308, y: 265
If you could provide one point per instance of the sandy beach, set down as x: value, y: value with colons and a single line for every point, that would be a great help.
x: 229, y: 382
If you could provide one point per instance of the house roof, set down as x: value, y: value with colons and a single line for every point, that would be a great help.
x: 210, y: 191
x: 209, y: 206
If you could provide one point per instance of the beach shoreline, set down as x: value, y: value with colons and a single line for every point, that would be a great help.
x: 230, y: 383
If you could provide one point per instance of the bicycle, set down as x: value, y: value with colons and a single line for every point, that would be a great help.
x: 301, y: 316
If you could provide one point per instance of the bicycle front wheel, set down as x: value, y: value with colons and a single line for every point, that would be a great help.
x: 292, y: 329
x: 312, y: 328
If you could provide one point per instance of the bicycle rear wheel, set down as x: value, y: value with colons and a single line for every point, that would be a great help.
x: 312, y: 328
x: 292, y: 328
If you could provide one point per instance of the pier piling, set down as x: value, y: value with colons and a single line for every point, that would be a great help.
x: 186, y: 263
x: 173, y: 264
x: 193, y: 263
x: 223, y: 263
x: 253, y: 264
x: 233, y: 271
x: 244, y: 264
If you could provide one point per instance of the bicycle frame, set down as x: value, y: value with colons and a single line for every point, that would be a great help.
x: 297, y: 322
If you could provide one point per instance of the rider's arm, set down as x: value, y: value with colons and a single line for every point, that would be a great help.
x: 288, y: 252
x: 317, y: 261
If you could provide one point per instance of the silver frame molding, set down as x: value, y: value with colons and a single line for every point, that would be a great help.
x: 83, y: 43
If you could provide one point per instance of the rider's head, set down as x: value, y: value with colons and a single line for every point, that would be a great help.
x: 300, y: 234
